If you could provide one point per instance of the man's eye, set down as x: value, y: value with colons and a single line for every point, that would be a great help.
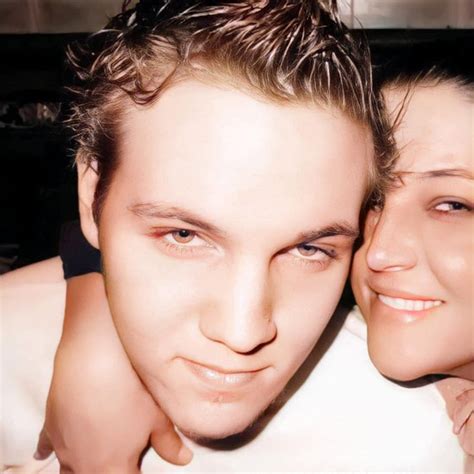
x: 182, y: 242
x: 183, y: 236
x: 309, y: 252
x: 452, y: 206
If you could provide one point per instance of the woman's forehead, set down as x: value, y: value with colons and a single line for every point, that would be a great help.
x: 434, y: 129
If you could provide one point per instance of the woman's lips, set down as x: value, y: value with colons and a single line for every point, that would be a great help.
x: 221, y: 378
x: 405, y: 304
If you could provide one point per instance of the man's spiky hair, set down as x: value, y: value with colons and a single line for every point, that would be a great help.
x: 285, y: 50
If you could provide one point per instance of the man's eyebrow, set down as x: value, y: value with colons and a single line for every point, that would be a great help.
x: 340, y: 228
x: 445, y: 172
x: 157, y: 210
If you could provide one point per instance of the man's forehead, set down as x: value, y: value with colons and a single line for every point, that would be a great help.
x: 192, y: 114
x: 216, y: 96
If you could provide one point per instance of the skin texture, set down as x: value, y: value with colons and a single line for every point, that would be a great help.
x: 421, y: 246
x: 250, y: 185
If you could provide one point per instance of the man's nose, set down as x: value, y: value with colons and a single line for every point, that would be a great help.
x: 392, y: 242
x: 242, y: 318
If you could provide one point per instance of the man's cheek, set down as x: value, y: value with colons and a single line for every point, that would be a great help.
x: 306, y: 310
x: 143, y: 306
x: 298, y: 332
x: 150, y: 308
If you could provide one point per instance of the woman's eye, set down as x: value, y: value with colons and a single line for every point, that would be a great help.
x: 451, y: 206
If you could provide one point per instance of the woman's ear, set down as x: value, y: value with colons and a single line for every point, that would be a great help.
x: 87, y: 178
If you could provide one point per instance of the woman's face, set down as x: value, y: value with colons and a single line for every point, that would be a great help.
x: 413, y: 277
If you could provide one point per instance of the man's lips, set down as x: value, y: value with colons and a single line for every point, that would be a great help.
x: 221, y: 378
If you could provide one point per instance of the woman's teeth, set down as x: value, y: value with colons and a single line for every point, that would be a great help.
x: 408, y: 305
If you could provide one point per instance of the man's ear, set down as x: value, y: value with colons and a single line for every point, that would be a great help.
x: 87, y: 178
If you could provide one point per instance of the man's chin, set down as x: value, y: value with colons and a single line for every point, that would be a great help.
x: 207, y: 433
x: 210, y: 430
x: 210, y: 419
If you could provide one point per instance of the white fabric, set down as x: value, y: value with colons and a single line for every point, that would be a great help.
x: 344, y: 417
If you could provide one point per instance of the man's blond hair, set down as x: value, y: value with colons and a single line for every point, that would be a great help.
x: 289, y: 51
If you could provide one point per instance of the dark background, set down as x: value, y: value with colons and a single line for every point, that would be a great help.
x: 37, y: 179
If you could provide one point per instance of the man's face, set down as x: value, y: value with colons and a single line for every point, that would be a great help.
x: 226, y: 237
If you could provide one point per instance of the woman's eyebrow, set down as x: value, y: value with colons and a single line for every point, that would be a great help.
x: 445, y: 172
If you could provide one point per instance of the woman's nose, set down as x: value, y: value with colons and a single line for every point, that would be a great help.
x: 392, y: 242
